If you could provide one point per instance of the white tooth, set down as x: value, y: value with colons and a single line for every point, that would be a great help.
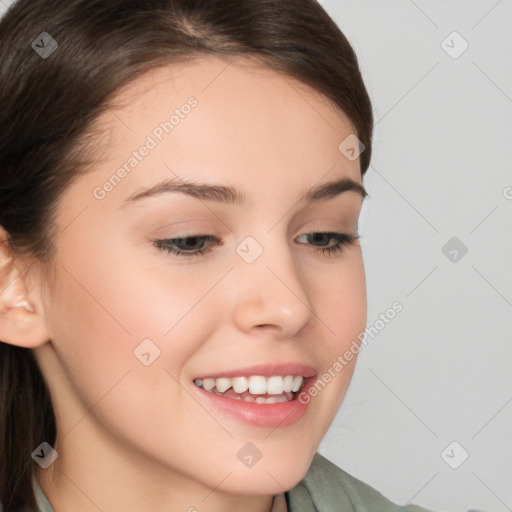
x: 249, y: 398
x: 257, y: 385
x: 297, y: 383
x: 222, y: 384
x: 271, y: 400
x: 240, y: 384
x: 275, y: 385
x: 208, y: 384
x: 287, y: 383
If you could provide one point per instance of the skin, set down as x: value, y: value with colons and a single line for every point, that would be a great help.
x: 135, y: 437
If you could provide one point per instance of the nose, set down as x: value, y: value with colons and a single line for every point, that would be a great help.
x: 272, y: 294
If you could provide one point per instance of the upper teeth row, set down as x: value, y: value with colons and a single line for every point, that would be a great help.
x: 256, y: 384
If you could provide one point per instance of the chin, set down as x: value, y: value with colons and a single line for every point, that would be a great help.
x: 273, y: 477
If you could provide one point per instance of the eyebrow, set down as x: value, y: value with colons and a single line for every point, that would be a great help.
x: 230, y: 195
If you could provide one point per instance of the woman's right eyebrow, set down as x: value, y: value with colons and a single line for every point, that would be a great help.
x: 229, y: 195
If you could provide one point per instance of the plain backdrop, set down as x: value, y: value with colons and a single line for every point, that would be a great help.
x: 428, y: 416
x: 440, y: 78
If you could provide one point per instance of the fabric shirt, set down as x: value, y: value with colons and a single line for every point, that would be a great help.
x: 324, y: 488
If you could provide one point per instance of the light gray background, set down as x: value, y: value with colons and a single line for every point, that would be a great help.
x: 441, y: 370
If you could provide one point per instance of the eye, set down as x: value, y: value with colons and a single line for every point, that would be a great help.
x: 186, y: 246
x: 198, y: 245
x: 341, y: 240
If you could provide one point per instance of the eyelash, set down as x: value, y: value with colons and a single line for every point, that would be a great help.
x: 166, y: 244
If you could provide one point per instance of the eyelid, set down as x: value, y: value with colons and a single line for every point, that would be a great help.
x: 330, y: 225
x: 342, y: 241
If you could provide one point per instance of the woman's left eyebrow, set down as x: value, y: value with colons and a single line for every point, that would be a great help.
x: 230, y: 195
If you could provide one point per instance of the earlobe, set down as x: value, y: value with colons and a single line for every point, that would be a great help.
x: 21, y: 323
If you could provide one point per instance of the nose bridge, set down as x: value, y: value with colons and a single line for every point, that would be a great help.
x: 270, y: 288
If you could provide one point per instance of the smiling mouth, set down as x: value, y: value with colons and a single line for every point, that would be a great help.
x: 256, y: 388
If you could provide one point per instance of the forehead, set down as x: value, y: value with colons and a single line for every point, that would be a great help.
x: 234, y: 94
x: 249, y: 127
x: 240, y: 82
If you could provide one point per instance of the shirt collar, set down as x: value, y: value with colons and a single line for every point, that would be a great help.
x: 43, y: 505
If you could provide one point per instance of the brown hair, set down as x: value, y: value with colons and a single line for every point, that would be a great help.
x: 49, y: 100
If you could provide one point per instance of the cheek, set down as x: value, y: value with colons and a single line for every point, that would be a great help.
x: 341, y: 306
x: 340, y: 300
x: 103, y: 308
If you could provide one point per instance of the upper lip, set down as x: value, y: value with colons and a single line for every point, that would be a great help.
x: 266, y: 370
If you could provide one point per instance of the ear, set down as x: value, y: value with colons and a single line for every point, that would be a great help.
x: 21, y: 321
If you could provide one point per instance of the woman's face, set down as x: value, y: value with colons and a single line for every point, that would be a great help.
x: 132, y: 324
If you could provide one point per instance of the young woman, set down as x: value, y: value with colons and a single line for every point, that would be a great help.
x: 180, y: 273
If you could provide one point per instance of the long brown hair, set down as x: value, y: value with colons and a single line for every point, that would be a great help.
x: 61, y: 64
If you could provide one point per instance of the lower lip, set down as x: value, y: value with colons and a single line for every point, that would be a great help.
x: 277, y: 415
